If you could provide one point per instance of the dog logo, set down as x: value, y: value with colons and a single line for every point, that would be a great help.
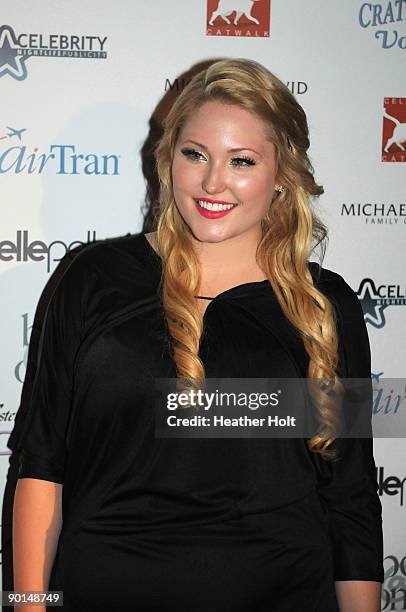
x: 394, y: 130
x: 250, y: 18
x: 240, y: 8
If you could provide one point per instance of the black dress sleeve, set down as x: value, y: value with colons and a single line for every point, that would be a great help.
x: 42, y: 443
x: 13, y: 441
x: 348, y: 486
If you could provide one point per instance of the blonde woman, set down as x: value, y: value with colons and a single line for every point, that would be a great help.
x: 120, y: 519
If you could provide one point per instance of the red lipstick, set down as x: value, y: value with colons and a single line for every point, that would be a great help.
x: 213, y: 214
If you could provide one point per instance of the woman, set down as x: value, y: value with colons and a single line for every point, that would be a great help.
x: 217, y: 291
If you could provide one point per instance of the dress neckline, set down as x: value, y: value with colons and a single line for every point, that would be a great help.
x: 227, y: 292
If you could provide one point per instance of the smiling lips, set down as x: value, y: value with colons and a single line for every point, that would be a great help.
x: 214, y: 209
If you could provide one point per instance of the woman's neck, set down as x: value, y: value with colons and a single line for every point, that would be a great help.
x: 223, y: 265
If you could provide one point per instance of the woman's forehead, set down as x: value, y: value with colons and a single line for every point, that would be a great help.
x: 218, y: 121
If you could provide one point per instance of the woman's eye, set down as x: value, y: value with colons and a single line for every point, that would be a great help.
x: 246, y: 161
x: 191, y: 153
x: 241, y: 161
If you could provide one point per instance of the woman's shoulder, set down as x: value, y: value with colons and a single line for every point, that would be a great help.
x: 98, y: 280
x: 109, y: 258
x: 336, y: 288
x: 115, y: 265
x: 131, y: 246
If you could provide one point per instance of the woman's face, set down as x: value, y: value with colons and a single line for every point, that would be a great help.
x: 205, y: 167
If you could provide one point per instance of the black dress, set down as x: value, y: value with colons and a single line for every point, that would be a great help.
x: 193, y: 525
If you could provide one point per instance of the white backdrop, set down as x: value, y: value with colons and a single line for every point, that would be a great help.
x: 344, y: 61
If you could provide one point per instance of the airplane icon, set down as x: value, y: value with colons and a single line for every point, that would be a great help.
x: 14, y: 132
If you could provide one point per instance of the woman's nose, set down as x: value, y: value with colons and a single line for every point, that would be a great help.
x: 214, y: 180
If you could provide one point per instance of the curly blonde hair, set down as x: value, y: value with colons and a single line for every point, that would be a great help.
x: 290, y: 232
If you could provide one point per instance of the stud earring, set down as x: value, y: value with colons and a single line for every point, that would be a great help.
x: 279, y: 188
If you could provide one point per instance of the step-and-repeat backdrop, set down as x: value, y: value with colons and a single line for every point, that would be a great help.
x: 83, y: 88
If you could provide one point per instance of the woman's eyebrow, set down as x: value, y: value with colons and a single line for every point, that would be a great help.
x: 235, y: 150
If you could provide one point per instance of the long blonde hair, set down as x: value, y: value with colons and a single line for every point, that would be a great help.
x: 290, y: 231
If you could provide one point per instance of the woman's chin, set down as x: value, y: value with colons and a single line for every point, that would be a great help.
x: 211, y: 235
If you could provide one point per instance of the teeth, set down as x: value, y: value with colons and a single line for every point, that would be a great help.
x: 215, y: 207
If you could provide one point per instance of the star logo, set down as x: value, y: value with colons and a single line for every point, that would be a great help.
x: 373, y: 304
x: 373, y: 312
x: 11, y: 62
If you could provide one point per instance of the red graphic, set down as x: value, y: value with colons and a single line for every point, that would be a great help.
x: 245, y: 18
x: 394, y: 130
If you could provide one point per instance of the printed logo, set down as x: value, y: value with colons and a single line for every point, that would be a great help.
x: 6, y: 416
x: 21, y: 366
x: 298, y: 88
x: 390, y: 485
x: 393, y: 590
x: 15, y: 49
x: 63, y: 159
x: 376, y: 214
x: 375, y: 300
x: 381, y: 15
x: 37, y: 250
x: 388, y: 396
x: 245, y: 18
x: 394, y: 130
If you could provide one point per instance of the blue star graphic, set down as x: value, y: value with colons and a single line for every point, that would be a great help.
x: 10, y: 62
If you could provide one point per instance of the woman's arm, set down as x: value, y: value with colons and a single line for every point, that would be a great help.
x: 44, y: 441
x: 37, y: 522
x: 356, y: 595
x: 347, y: 486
